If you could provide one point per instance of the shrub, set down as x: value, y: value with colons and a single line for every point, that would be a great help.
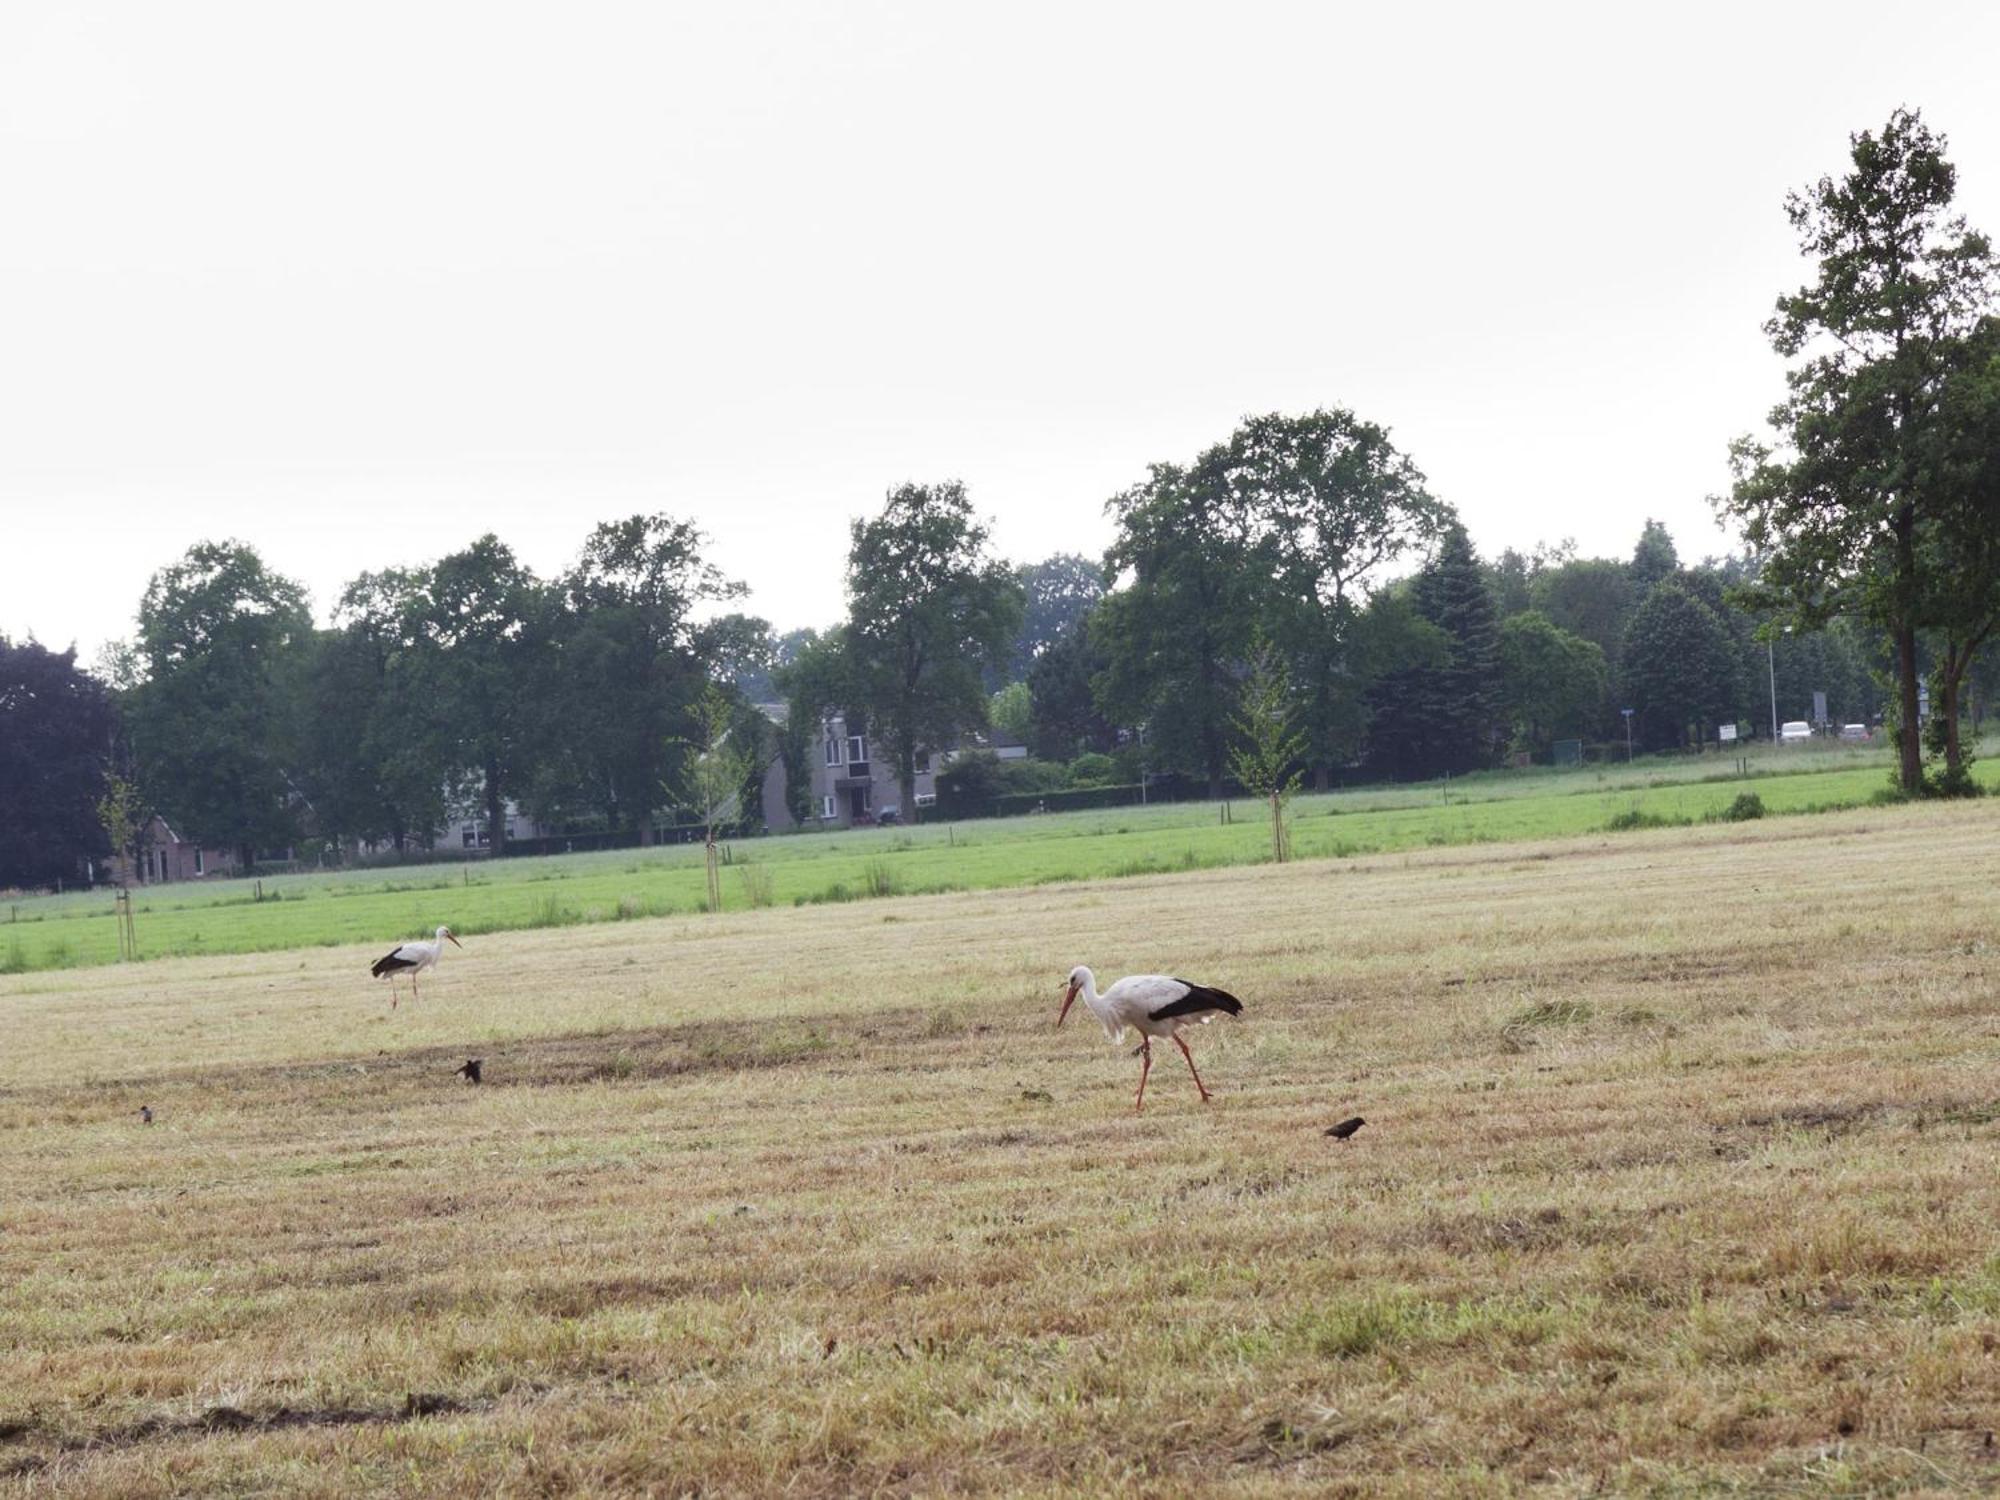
x: 1633, y: 817
x: 1747, y: 805
x: 1093, y: 770
x: 967, y: 787
x: 1020, y: 776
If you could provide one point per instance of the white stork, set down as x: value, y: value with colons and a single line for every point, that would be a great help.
x: 412, y: 959
x: 1152, y: 1005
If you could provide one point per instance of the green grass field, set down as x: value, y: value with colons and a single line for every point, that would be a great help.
x: 1678, y: 1180
x: 383, y: 905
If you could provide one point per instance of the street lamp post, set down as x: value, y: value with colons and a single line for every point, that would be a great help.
x: 1771, y: 666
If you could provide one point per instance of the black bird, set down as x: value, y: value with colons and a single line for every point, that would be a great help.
x: 1346, y: 1128
x: 145, y: 1114
x: 470, y: 1072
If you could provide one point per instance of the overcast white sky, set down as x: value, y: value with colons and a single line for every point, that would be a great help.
x: 357, y: 283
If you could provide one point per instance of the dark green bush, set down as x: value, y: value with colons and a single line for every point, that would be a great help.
x: 1747, y: 805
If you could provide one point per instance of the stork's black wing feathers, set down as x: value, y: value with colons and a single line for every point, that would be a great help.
x: 1197, y: 1000
x: 390, y: 963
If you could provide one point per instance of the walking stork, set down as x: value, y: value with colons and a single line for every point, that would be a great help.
x: 1152, y: 1005
x: 412, y: 959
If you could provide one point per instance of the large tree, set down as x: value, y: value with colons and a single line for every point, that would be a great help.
x: 1511, y: 576
x: 1057, y: 593
x: 1175, y: 636
x: 928, y: 608
x: 481, y: 627
x: 220, y: 637
x: 1552, y: 683
x: 1591, y: 597
x: 742, y: 651
x: 1959, y: 540
x: 1839, y: 507
x: 1442, y: 716
x: 56, y: 729
x: 1329, y: 504
x: 371, y: 746
x: 1680, y: 668
x: 629, y: 665
x: 1064, y: 718
x: 1654, y: 558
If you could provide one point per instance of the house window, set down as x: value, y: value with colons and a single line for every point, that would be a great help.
x: 857, y: 747
x: 197, y: 861
x: 826, y: 806
x: 832, y: 750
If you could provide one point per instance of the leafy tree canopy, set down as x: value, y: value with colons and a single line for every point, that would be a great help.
x: 1835, y: 509
x: 219, y: 644
x: 56, y: 731
x: 928, y: 608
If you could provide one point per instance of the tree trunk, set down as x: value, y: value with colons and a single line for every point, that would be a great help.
x: 1953, y: 759
x: 1958, y: 659
x: 1908, y: 731
x: 906, y: 779
x: 496, y: 825
x: 1905, y: 634
x: 1211, y: 745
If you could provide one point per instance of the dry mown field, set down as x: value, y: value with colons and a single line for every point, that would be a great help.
x: 1679, y: 1176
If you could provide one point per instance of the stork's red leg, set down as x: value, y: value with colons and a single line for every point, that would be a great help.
x: 1190, y: 1057
x: 1145, y: 1067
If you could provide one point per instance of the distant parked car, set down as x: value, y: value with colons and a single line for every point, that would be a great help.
x: 1796, y: 729
x: 1854, y: 731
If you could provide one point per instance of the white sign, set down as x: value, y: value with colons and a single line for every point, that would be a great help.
x: 1727, y: 731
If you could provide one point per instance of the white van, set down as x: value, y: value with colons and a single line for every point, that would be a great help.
x: 1793, y: 730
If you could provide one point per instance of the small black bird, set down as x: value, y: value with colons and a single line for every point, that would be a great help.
x: 145, y: 1114
x: 470, y: 1072
x: 1346, y: 1128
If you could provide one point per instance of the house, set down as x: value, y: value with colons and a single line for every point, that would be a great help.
x: 165, y: 856
x: 465, y: 828
x: 851, y: 785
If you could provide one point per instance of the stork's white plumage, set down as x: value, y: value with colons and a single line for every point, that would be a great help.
x: 1152, y: 1005
x: 412, y: 959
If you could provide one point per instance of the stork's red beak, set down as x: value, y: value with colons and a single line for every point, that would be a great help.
x: 453, y: 941
x: 1068, y: 997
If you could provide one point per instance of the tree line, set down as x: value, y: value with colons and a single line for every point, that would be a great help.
x: 1302, y: 560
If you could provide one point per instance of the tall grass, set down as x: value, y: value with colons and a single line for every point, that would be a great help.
x: 759, y: 887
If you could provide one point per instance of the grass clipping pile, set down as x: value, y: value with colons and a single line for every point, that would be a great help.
x: 1678, y: 1173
